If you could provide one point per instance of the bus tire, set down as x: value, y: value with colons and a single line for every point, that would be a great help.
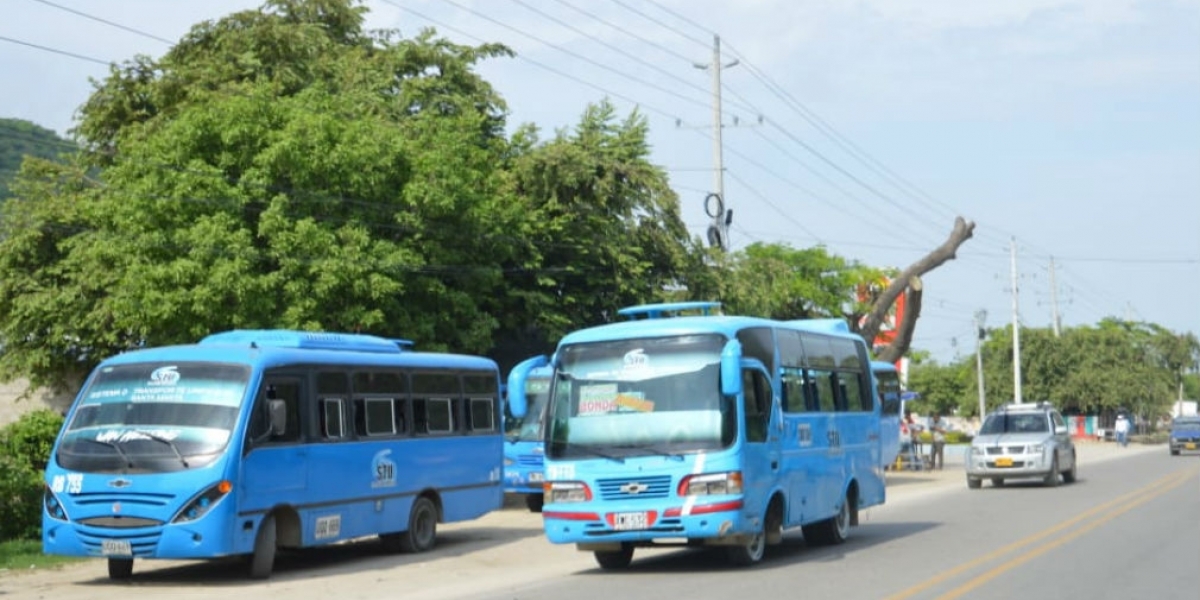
x: 262, y: 562
x: 831, y: 531
x: 615, y: 559
x: 750, y: 552
x: 120, y: 568
x: 534, y: 502
x: 421, y: 534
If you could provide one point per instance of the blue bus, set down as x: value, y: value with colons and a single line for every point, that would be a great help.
x: 891, y: 401
x: 523, y: 449
x: 682, y: 429
x: 253, y: 440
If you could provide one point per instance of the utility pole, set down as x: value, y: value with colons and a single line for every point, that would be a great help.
x: 1054, y: 318
x: 1016, y: 325
x: 980, y: 317
x: 714, y: 204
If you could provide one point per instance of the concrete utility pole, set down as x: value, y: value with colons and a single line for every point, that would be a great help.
x: 715, y: 208
x: 1016, y: 325
x: 980, y: 317
x: 1054, y: 318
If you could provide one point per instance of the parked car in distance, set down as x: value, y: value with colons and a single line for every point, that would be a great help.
x: 1185, y: 434
x: 1022, y: 441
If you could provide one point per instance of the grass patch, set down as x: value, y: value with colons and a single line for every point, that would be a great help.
x: 25, y: 555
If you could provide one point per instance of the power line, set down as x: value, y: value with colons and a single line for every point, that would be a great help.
x: 660, y: 23
x: 55, y: 51
x: 107, y: 22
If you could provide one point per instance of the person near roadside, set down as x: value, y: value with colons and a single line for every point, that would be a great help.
x: 937, y: 448
x: 1122, y: 430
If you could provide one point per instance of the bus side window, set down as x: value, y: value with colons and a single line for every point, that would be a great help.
x: 758, y: 405
x: 289, y: 392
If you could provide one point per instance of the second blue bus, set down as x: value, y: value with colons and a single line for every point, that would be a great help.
x: 682, y: 429
x: 523, y: 449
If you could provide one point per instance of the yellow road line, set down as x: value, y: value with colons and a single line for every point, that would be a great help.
x: 1017, y: 545
x: 1040, y: 550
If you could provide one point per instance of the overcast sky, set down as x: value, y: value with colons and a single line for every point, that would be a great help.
x: 1069, y: 126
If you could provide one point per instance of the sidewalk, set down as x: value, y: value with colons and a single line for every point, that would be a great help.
x: 1088, y: 452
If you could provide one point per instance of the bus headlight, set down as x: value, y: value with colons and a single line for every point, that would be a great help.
x: 566, y: 491
x: 508, y: 462
x: 54, y: 508
x: 711, y: 484
x: 201, y: 504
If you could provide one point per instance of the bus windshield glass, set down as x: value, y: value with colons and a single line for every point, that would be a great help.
x: 149, y: 417
x: 637, y: 396
x: 529, y: 428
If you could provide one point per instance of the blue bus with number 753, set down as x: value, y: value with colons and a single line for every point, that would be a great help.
x: 250, y: 441
x: 683, y: 427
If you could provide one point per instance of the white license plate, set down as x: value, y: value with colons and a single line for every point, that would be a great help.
x: 536, y: 476
x: 627, y: 521
x: 116, y: 548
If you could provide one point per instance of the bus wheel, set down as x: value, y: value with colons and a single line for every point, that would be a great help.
x: 750, y: 552
x: 830, y: 531
x: 263, y: 559
x: 422, y: 527
x: 534, y: 502
x: 120, y: 568
x: 617, y: 559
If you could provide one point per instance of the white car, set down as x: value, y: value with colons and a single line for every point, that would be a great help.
x: 1022, y: 441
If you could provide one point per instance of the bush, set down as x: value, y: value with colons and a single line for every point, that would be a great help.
x: 24, y: 450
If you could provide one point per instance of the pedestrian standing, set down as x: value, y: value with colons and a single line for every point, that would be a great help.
x: 1122, y: 430
x: 937, y: 448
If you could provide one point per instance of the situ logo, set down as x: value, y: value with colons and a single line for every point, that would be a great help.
x: 383, y: 470
x: 165, y: 376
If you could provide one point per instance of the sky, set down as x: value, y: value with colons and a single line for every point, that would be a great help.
x: 1068, y: 131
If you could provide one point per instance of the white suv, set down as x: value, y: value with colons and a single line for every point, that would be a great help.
x: 1019, y: 441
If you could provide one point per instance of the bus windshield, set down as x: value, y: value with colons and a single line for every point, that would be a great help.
x: 636, y: 396
x: 529, y: 428
x: 149, y: 417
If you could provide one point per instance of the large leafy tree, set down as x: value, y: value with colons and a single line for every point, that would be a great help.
x: 20, y: 139
x: 280, y: 167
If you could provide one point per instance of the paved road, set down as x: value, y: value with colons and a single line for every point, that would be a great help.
x: 931, y: 526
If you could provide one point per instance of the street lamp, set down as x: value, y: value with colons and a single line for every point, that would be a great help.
x: 980, y: 317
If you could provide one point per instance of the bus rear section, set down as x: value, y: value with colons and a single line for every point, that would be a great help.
x: 673, y: 434
x: 524, y: 453
x: 252, y: 441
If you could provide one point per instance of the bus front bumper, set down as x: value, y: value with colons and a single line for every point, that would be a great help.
x: 166, y: 541
x: 599, y: 528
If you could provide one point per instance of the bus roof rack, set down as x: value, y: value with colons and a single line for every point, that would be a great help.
x: 668, y: 309
x: 306, y: 340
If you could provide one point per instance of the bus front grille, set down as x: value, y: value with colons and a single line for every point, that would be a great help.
x: 124, y: 499
x: 530, y: 460
x: 119, y: 522
x: 635, y: 488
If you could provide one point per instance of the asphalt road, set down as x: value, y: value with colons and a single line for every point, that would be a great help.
x: 1129, y: 528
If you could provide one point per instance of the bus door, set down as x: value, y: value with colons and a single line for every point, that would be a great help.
x: 760, y: 438
x: 275, y: 464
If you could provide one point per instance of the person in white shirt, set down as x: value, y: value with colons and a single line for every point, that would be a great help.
x: 1122, y: 430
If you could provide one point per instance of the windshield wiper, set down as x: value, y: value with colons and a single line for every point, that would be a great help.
x: 652, y: 449
x: 595, y: 452
x: 168, y: 442
x: 114, y: 446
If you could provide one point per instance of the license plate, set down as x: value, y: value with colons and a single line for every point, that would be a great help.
x: 1003, y: 462
x: 1190, y: 446
x: 536, y: 476
x: 630, y: 520
x: 116, y: 548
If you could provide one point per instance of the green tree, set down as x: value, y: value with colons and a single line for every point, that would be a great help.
x: 20, y: 139
x: 280, y: 167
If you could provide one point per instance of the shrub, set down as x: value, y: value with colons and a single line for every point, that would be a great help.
x: 24, y: 450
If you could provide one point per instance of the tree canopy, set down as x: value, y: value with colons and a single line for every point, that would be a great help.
x: 19, y: 139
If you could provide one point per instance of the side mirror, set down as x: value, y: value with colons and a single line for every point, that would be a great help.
x: 1060, y: 430
x: 731, y: 368
x: 517, y: 404
x: 277, y: 413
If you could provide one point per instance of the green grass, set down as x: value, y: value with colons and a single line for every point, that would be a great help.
x: 23, y: 555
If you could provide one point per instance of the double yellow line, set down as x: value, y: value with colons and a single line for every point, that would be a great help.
x: 1101, y: 514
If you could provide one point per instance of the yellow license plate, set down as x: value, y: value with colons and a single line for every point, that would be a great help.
x: 1190, y: 446
x: 1003, y: 462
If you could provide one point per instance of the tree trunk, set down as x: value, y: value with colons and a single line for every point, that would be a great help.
x: 909, y: 282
